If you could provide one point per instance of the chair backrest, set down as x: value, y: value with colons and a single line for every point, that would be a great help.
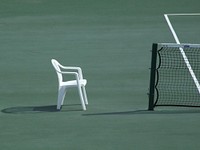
x: 56, y: 66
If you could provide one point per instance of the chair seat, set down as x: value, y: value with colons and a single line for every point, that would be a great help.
x: 74, y: 83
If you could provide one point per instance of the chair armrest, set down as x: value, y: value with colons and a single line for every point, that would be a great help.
x: 67, y: 72
x: 73, y: 68
x: 70, y: 73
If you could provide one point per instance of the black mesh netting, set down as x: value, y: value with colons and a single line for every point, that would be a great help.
x: 175, y: 84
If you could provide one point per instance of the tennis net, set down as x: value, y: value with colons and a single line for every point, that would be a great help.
x: 175, y: 75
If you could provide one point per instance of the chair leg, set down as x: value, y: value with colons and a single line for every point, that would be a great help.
x: 85, y: 95
x: 61, y: 96
x: 81, y: 98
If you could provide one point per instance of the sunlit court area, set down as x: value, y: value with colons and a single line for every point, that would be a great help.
x: 112, y: 42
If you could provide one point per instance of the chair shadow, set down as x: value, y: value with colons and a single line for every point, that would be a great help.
x: 37, y: 109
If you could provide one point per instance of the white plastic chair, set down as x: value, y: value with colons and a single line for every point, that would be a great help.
x: 79, y: 82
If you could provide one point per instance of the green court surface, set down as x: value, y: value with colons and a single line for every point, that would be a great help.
x: 111, y: 41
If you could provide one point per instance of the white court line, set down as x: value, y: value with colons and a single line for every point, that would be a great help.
x: 184, y: 14
x: 181, y: 49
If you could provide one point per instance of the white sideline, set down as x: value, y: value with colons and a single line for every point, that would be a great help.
x: 181, y: 49
x: 184, y: 14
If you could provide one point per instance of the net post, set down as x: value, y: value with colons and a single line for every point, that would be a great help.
x: 152, y: 76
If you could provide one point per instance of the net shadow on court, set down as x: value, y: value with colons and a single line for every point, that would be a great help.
x: 146, y: 112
